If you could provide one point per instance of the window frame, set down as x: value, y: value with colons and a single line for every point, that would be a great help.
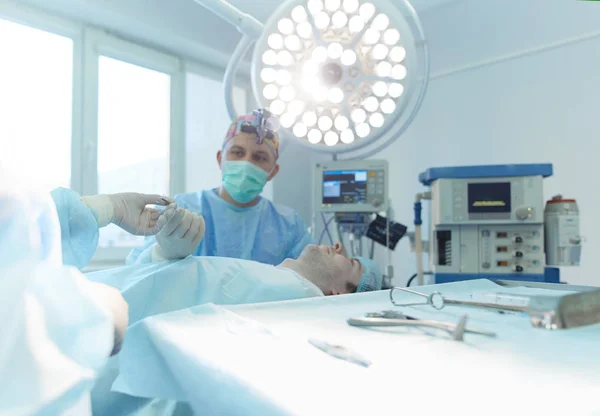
x: 99, y: 43
x: 88, y: 44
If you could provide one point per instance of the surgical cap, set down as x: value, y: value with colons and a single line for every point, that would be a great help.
x: 253, y: 119
x: 372, y: 278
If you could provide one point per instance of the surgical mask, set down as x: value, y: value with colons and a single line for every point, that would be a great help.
x: 243, y: 180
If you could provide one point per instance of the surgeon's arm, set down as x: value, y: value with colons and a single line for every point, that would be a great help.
x: 80, y: 218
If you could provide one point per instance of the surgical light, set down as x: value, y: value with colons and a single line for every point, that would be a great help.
x: 275, y: 41
x: 398, y: 72
x: 270, y: 91
x: 268, y: 75
x: 397, y: 54
x: 296, y: 107
x: 391, y: 36
x: 314, y: 136
x: 332, y: 5
x: 287, y: 93
x: 371, y: 104
x: 335, y: 50
x: 339, y: 19
x: 376, y: 120
x: 309, y: 118
x: 287, y: 120
x: 347, y: 136
x: 350, y: 6
x: 380, y: 89
x: 293, y: 43
x: 299, y: 14
x: 325, y: 123
x: 348, y: 57
x: 343, y: 76
x: 395, y: 90
x: 277, y: 107
x: 283, y: 77
x: 341, y: 123
x: 286, y: 26
x: 379, y: 51
x: 336, y: 95
x: 304, y: 30
x: 300, y: 130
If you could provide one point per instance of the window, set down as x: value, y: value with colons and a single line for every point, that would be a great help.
x: 36, y: 87
x: 133, y: 135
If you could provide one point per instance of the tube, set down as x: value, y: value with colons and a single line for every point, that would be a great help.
x: 418, y: 236
x: 418, y: 239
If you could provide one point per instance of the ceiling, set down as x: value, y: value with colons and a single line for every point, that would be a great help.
x: 182, y: 27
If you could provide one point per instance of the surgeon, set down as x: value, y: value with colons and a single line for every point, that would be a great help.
x: 157, y: 288
x: 58, y: 328
x: 239, y: 223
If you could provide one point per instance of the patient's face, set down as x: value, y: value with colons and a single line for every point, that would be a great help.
x: 342, y: 272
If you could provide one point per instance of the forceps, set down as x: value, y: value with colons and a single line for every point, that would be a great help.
x: 396, y: 318
x: 437, y: 301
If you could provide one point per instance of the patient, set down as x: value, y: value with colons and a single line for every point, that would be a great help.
x: 156, y: 288
x: 167, y: 286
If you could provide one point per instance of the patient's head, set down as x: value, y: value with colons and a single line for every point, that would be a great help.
x: 329, y: 268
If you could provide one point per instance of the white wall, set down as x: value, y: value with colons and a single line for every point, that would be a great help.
x: 537, y: 104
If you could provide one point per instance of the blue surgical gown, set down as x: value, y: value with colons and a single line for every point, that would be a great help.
x: 267, y: 232
x: 78, y: 228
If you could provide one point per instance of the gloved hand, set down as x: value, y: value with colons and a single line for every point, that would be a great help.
x: 179, y: 235
x: 114, y: 301
x: 128, y: 211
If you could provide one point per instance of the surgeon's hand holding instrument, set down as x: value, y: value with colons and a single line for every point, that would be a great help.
x: 128, y: 210
x: 180, y: 233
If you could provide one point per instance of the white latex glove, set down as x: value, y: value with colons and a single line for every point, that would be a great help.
x: 180, y: 233
x: 128, y: 211
x: 114, y: 301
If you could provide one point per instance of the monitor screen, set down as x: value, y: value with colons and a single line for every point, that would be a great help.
x: 486, y: 198
x: 344, y: 186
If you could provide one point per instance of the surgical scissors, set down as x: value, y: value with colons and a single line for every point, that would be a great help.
x: 437, y: 301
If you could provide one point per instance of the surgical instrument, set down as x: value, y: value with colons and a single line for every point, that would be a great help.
x: 437, y: 301
x: 394, y: 318
x: 548, y: 312
x: 340, y: 352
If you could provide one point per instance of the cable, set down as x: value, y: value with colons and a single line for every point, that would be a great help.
x: 326, y: 228
x: 413, y: 277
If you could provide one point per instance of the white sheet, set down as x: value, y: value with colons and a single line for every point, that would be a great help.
x: 254, y: 359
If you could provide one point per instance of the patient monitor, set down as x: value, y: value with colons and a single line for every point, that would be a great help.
x: 351, y: 186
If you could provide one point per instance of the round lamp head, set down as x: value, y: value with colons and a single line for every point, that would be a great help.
x: 339, y: 74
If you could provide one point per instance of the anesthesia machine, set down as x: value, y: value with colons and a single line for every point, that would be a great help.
x: 489, y: 222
